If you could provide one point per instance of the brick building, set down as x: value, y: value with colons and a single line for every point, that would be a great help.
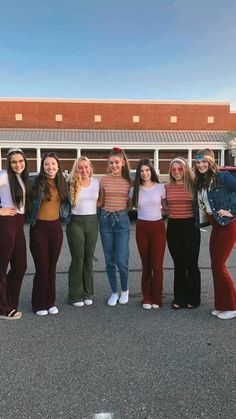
x: 154, y: 129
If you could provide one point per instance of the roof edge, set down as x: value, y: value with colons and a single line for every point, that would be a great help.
x: 126, y: 101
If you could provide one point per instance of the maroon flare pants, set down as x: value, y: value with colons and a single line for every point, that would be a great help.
x: 151, y: 242
x: 45, y: 245
x: 13, y: 252
x: 222, y: 242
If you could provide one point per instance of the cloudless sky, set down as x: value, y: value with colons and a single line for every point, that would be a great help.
x: 119, y: 49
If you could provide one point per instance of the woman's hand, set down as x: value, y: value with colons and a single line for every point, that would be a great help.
x: 224, y: 213
x: 8, y: 211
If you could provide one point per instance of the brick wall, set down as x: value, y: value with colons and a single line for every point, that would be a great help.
x: 116, y: 115
x: 233, y: 121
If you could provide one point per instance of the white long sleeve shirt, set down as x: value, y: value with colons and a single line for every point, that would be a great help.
x: 5, y: 192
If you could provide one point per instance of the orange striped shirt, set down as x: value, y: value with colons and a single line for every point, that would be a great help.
x: 180, y: 201
x: 115, y: 189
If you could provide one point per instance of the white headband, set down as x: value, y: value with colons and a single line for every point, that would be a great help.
x: 178, y: 159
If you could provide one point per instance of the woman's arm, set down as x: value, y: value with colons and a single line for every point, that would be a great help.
x: 164, y: 207
x: 129, y: 204
x: 8, y: 211
x: 101, y: 198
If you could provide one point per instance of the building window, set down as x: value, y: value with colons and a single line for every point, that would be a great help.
x: 210, y: 119
x: 135, y: 118
x: 173, y: 119
x: 97, y: 118
x: 18, y: 117
x: 58, y: 117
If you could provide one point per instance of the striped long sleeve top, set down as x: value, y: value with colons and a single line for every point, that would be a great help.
x: 180, y: 201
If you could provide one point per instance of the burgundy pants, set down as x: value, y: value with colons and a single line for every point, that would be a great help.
x: 45, y: 245
x: 222, y: 242
x: 151, y: 241
x: 13, y: 252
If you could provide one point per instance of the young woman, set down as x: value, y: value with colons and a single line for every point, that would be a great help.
x: 50, y: 203
x: 148, y: 196
x: 216, y: 196
x: 183, y: 237
x: 14, y: 188
x: 82, y: 231
x: 114, y: 223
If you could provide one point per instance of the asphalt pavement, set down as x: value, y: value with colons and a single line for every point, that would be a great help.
x: 119, y: 362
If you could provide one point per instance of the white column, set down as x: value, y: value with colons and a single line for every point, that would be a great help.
x: 222, y: 157
x: 190, y: 157
x: 156, y: 160
x: 0, y: 159
x: 38, y: 161
x: 78, y: 153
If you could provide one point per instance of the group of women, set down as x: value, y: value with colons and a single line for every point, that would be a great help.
x: 84, y: 204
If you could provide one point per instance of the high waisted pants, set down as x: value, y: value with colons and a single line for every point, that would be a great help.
x: 151, y: 242
x: 45, y: 245
x: 13, y: 252
x: 82, y: 234
x: 222, y: 242
x: 183, y: 240
x: 114, y: 232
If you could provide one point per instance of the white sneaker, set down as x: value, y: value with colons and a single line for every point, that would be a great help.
x: 226, y: 315
x: 147, y: 306
x: 41, y: 312
x: 88, y: 302
x: 78, y: 304
x: 124, y: 297
x: 215, y: 312
x: 155, y: 306
x: 53, y: 310
x: 113, y: 299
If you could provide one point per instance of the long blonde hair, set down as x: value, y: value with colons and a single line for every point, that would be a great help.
x: 75, y: 180
x: 188, y: 177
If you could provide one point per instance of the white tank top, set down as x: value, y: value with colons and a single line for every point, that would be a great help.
x: 88, y: 197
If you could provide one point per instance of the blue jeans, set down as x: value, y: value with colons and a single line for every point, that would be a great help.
x: 114, y: 231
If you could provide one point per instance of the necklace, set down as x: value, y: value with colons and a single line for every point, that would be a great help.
x: 201, y: 200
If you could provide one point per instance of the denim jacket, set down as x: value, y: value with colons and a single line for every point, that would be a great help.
x: 223, y: 197
x: 65, y: 208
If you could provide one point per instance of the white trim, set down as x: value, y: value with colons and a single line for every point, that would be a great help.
x: 112, y: 130
x: 126, y: 101
x: 107, y: 146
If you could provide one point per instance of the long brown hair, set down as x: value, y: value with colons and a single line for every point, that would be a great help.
x: 59, y: 180
x: 210, y: 178
x: 15, y: 187
x: 138, y: 180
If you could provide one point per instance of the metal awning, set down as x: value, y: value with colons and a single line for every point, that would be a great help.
x: 36, y: 137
